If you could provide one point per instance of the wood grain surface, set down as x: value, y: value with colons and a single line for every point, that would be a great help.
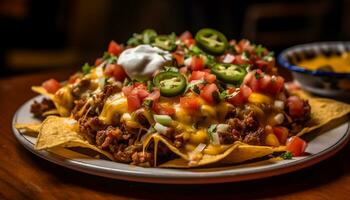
x: 26, y: 176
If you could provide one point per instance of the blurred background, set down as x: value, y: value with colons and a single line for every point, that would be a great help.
x: 38, y: 35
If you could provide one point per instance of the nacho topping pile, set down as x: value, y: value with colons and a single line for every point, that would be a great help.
x: 159, y: 98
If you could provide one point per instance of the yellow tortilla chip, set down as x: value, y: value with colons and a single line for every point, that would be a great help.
x: 60, y: 132
x: 42, y: 91
x: 323, y: 111
x: 61, y: 107
x: 236, y: 153
x: 51, y: 112
x: 31, y: 129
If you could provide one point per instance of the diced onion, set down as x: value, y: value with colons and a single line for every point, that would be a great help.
x: 222, y: 127
x: 228, y: 58
x: 188, y: 61
x: 160, y: 128
x: 70, y: 121
x: 279, y: 118
x: 216, y: 139
x: 199, y: 148
x: 163, y: 119
x: 279, y: 104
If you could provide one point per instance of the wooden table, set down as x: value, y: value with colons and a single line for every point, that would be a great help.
x: 26, y: 176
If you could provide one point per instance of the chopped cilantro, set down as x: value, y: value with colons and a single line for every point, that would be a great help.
x: 86, y: 68
x: 193, y: 86
x: 269, y: 57
x: 287, y: 155
x: 245, y: 55
x: 259, y: 50
x: 147, y: 103
x: 170, y: 69
x: 258, y: 75
x: 150, y: 86
x: 211, y: 130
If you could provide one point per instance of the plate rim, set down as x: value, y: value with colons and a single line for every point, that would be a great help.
x: 199, y: 178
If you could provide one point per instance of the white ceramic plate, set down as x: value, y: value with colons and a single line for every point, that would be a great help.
x: 320, y: 146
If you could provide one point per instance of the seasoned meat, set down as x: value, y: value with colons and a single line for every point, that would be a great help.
x: 89, y: 128
x: 255, y: 137
x: 142, y: 159
x: 246, y: 130
x: 81, y: 87
x: 38, y: 108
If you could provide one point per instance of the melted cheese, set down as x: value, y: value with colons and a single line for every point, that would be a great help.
x: 338, y: 63
x: 63, y: 100
x: 115, y: 106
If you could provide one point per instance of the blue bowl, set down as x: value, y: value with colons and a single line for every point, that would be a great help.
x: 323, y: 83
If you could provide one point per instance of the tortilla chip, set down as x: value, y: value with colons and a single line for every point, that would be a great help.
x: 31, y: 129
x: 323, y: 111
x: 60, y: 132
x: 246, y: 152
x: 42, y: 91
x: 236, y: 153
x: 50, y: 112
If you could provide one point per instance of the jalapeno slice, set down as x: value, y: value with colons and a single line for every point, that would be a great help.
x: 165, y: 42
x: 170, y: 83
x: 211, y: 40
x: 229, y: 73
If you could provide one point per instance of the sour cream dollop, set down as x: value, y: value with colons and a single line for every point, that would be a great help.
x: 143, y: 61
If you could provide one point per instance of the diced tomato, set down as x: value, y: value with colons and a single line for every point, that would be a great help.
x: 190, y: 103
x: 207, y: 93
x: 154, y: 95
x: 114, y: 48
x: 98, y: 61
x: 241, y: 97
x: 179, y: 57
x: 197, y: 63
x: 142, y: 93
x: 202, y: 75
x: 210, y: 78
x: 260, y: 82
x: 187, y: 38
x: 281, y: 133
x: 296, y: 145
x: 186, y: 35
x: 276, y: 85
x: 239, y: 60
x: 51, y: 86
x: 245, y: 91
x: 197, y: 75
x: 115, y: 71
x: 74, y: 78
x: 127, y: 90
x: 134, y: 101
x: 189, y: 42
x: 183, y: 70
x: 163, y: 109
x: 295, y: 106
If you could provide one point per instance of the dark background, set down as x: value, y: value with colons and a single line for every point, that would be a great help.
x: 37, y: 35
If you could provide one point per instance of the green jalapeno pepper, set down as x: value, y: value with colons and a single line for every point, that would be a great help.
x: 229, y: 73
x: 170, y: 83
x: 211, y: 40
x: 165, y: 42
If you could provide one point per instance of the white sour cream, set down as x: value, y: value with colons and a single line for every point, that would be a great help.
x: 143, y: 61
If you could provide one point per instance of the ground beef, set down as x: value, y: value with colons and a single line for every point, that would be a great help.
x: 255, y: 137
x: 38, y: 108
x: 89, y: 128
x: 105, y: 137
x: 246, y: 129
x: 142, y: 159
x: 81, y: 87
